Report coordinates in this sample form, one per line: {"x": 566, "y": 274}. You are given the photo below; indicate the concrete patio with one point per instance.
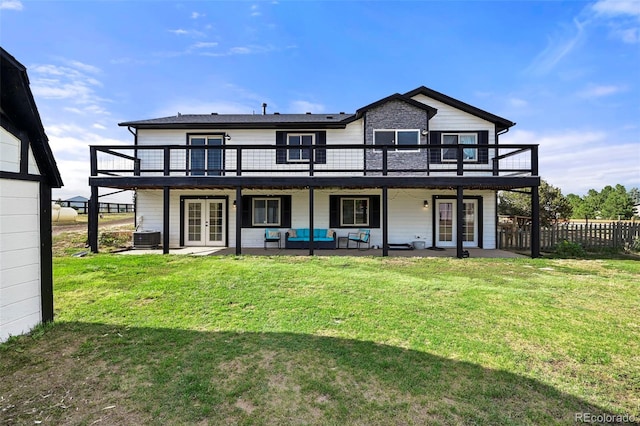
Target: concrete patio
{"x": 230, "y": 251}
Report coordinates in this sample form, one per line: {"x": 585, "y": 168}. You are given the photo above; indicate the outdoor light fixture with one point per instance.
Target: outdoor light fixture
{"x": 227, "y": 137}
{"x": 424, "y": 132}
{"x": 234, "y": 204}
{"x": 426, "y": 204}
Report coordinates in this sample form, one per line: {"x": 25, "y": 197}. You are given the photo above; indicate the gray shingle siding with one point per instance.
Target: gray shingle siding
{"x": 396, "y": 115}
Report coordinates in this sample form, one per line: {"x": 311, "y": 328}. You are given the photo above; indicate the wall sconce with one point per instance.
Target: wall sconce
{"x": 424, "y": 132}
{"x": 227, "y": 137}
{"x": 234, "y": 204}
{"x": 426, "y": 204}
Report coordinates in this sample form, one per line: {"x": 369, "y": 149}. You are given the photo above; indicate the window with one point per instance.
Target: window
{"x": 294, "y": 139}
{"x": 451, "y": 154}
{"x": 266, "y": 212}
{"x": 354, "y": 212}
{"x": 207, "y": 160}
{"x": 409, "y": 139}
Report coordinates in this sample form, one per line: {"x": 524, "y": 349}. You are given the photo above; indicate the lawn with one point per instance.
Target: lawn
{"x": 330, "y": 340}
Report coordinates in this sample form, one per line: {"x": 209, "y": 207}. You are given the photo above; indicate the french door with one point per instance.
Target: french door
{"x": 205, "y": 223}
{"x": 446, "y": 229}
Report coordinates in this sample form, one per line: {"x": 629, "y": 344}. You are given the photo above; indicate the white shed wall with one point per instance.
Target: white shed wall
{"x": 9, "y": 152}
{"x": 20, "y": 302}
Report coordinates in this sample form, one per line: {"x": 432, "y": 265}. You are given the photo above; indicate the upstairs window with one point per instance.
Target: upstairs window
{"x": 468, "y": 154}
{"x": 407, "y": 139}
{"x": 295, "y": 139}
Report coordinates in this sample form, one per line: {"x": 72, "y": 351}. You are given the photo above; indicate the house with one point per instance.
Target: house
{"x": 28, "y": 171}
{"x": 414, "y": 166}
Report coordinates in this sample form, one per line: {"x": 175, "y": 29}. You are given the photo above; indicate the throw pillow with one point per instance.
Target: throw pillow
{"x": 274, "y": 234}
{"x": 293, "y": 233}
{"x": 330, "y": 233}
{"x": 363, "y": 236}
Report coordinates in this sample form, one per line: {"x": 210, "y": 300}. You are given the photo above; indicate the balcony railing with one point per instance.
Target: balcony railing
{"x": 316, "y": 160}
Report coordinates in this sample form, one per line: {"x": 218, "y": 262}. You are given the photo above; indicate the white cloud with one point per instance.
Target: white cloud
{"x": 183, "y": 32}
{"x": 629, "y": 35}
{"x": 255, "y": 10}
{"x": 204, "y": 45}
{"x": 195, "y": 106}
{"x": 518, "y": 103}
{"x": 299, "y": 107}
{"x": 196, "y": 15}
{"x": 618, "y": 8}
{"x": 576, "y": 161}
{"x": 11, "y": 5}
{"x": 179, "y": 32}
{"x": 557, "y": 49}
{"x": 598, "y": 91}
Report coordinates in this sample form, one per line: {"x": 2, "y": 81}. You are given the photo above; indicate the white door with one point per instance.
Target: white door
{"x": 446, "y": 235}
{"x": 205, "y": 223}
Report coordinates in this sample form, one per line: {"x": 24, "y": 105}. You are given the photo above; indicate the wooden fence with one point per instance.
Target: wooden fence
{"x": 612, "y": 235}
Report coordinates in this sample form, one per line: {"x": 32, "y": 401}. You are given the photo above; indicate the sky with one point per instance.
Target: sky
{"x": 567, "y": 72}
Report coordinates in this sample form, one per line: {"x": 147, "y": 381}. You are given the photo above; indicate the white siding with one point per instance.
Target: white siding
{"x": 408, "y": 219}
{"x": 9, "y": 152}
{"x": 257, "y": 159}
{"x": 33, "y": 166}
{"x": 20, "y": 303}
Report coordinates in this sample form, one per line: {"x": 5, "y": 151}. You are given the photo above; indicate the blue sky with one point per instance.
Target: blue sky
{"x": 567, "y": 72}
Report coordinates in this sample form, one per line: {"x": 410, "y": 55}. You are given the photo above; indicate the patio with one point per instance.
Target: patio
{"x": 230, "y": 251}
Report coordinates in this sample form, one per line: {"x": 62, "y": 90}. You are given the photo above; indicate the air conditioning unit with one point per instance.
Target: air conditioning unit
{"x": 146, "y": 239}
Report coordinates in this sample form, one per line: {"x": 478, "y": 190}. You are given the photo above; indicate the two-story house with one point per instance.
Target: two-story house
{"x": 414, "y": 165}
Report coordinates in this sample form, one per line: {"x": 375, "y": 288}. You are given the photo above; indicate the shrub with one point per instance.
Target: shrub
{"x": 569, "y": 249}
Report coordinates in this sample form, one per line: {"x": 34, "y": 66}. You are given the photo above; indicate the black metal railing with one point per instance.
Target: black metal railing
{"x": 316, "y": 160}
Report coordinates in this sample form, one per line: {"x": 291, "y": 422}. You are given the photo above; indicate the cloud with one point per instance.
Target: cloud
{"x": 557, "y": 49}
{"x": 183, "y": 32}
{"x": 196, "y": 15}
{"x": 11, "y": 5}
{"x": 577, "y": 161}
{"x": 298, "y": 107}
{"x": 518, "y": 103}
{"x": 255, "y": 10}
{"x": 598, "y": 91}
{"x": 618, "y": 8}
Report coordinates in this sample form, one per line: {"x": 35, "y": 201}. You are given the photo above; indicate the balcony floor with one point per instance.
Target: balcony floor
{"x": 230, "y": 251}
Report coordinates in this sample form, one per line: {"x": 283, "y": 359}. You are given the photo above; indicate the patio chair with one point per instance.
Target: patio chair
{"x": 271, "y": 236}
{"x": 361, "y": 237}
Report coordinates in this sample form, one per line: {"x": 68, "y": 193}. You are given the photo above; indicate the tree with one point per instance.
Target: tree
{"x": 553, "y": 205}
{"x": 610, "y": 203}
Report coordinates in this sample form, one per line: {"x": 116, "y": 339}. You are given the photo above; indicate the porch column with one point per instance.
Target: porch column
{"x": 238, "y": 220}
{"x": 535, "y": 222}
{"x": 385, "y": 222}
{"x": 459, "y": 221}
{"x": 310, "y": 221}
{"x": 165, "y": 221}
{"x": 92, "y": 227}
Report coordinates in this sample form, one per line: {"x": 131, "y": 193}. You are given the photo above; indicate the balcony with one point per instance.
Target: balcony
{"x": 492, "y": 166}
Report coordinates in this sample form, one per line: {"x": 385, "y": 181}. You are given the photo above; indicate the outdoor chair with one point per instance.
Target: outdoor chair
{"x": 271, "y": 236}
{"x": 360, "y": 238}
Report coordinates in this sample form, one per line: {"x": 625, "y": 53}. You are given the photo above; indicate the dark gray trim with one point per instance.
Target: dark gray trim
{"x": 92, "y": 227}
{"x": 20, "y": 176}
{"x": 459, "y": 221}
{"x": 535, "y": 222}
{"x": 274, "y": 182}
{"x": 385, "y": 221}
{"x": 166, "y": 204}
{"x": 239, "y": 220}
{"x": 46, "y": 255}
{"x": 311, "y": 208}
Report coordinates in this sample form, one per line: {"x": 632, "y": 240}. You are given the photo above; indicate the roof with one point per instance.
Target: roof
{"x": 20, "y": 109}
{"x": 308, "y": 120}
{"x": 245, "y": 121}
{"x": 501, "y": 123}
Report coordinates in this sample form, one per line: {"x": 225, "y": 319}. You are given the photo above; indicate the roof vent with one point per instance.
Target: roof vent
{"x": 308, "y": 113}
{"x": 214, "y": 113}
{"x": 329, "y": 117}
{"x": 342, "y": 112}
{"x": 264, "y": 108}
{"x": 179, "y": 115}
{"x": 276, "y": 113}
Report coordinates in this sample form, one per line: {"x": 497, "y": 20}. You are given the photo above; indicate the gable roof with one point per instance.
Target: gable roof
{"x": 19, "y": 107}
{"x": 308, "y": 120}
{"x": 501, "y": 123}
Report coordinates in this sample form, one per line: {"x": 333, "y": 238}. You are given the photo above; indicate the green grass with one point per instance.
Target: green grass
{"x": 330, "y": 340}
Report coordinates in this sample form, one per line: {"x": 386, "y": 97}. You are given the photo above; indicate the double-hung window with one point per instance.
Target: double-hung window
{"x": 405, "y": 140}
{"x": 468, "y": 154}
{"x": 208, "y": 159}
{"x": 266, "y": 211}
{"x": 354, "y": 212}
{"x": 299, "y": 139}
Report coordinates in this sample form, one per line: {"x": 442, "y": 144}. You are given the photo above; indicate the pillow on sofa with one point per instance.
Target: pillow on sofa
{"x": 293, "y": 233}
{"x": 273, "y": 234}
{"x": 329, "y": 233}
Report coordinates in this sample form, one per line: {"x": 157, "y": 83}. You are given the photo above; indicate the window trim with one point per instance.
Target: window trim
{"x": 310, "y": 150}
{"x": 399, "y": 148}
{"x": 457, "y": 135}
{"x": 266, "y": 223}
{"x": 189, "y": 155}
{"x": 355, "y": 199}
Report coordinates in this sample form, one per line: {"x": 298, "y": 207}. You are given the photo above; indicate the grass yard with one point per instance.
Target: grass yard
{"x": 330, "y": 340}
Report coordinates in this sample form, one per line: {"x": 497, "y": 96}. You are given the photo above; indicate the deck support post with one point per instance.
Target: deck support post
{"x": 385, "y": 222}
{"x": 535, "y": 222}
{"x": 311, "y": 220}
{"x": 238, "y": 220}
{"x": 92, "y": 227}
{"x": 459, "y": 221}
{"x": 165, "y": 220}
